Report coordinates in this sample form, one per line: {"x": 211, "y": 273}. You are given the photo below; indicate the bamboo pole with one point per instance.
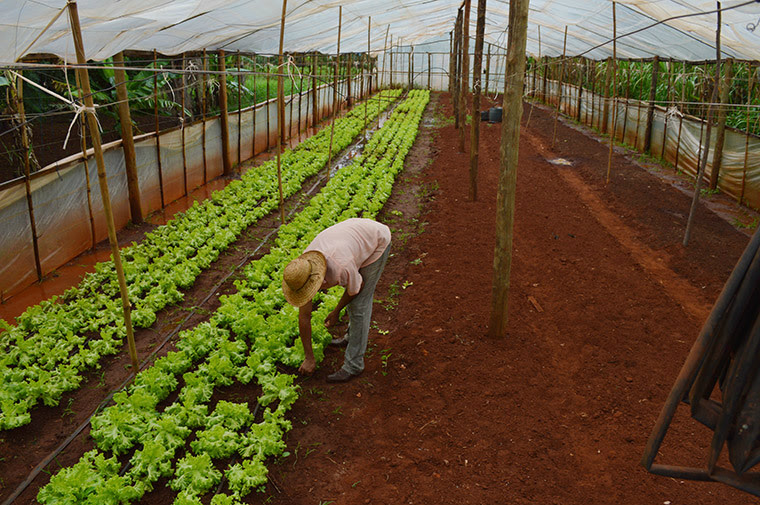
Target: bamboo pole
{"x": 366, "y": 97}
{"x": 465, "y": 89}
{"x": 291, "y": 101}
{"x": 638, "y": 112}
{"x": 430, "y": 69}
{"x": 457, "y": 67}
{"x": 182, "y": 126}
{"x": 280, "y": 111}
{"x": 703, "y": 162}
{"x": 385, "y": 50}
{"x": 476, "y": 84}
{"x": 225, "y": 117}
{"x": 300, "y": 99}
{"x": 268, "y": 105}
{"x": 627, "y": 97}
{"x": 680, "y": 117}
{"x": 390, "y": 64}
{"x": 751, "y": 74}
{"x": 157, "y": 129}
{"x": 559, "y": 87}
{"x": 239, "y": 108}
{"x": 347, "y": 65}
{"x": 83, "y": 126}
{"x": 335, "y": 95}
{"x": 650, "y": 109}
{"x": 127, "y": 140}
{"x": 203, "y": 114}
{"x": 720, "y": 135}
{"x": 533, "y": 91}
{"x": 314, "y": 86}
{"x": 255, "y": 104}
{"x": 452, "y": 62}
{"x": 488, "y": 68}
{"x": 510, "y": 139}
{"x": 670, "y": 104}
{"x": 411, "y": 67}
{"x": 606, "y": 107}
{"x": 102, "y": 178}
{"x": 614, "y": 90}
{"x": 545, "y": 79}
{"x": 27, "y": 173}
{"x": 581, "y": 74}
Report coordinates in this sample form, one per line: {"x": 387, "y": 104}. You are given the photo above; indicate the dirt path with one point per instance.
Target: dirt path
{"x": 558, "y": 412}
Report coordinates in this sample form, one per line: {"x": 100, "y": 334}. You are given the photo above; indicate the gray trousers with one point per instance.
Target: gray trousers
{"x": 360, "y": 315}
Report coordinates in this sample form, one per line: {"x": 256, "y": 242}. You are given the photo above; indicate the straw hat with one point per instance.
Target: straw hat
{"x": 303, "y": 277}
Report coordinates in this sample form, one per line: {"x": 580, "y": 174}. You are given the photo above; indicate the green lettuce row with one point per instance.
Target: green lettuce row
{"x": 42, "y": 367}
{"x": 243, "y": 476}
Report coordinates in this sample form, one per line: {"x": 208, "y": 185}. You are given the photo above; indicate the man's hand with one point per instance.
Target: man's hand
{"x": 332, "y": 319}
{"x": 307, "y": 367}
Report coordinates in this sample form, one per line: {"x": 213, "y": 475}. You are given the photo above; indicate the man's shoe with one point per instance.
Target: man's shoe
{"x": 340, "y": 376}
{"x": 340, "y": 342}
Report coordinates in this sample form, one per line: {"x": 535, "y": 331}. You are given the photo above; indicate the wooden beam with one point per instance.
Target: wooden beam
{"x": 476, "y": 84}
{"x": 127, "y": 139}
{"x": 27, "y": 173}
{"x": 103, "y": 180}
{"x": 225, "y": 117}
{"x": 465, "y": 87}
{"x": 703, "y": 160}
{"x": 510, "y": 139}
{"x": 720, "y": 134}
{"x": 280, "y": 111}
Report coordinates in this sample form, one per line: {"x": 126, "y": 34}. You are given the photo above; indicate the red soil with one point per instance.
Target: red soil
{"x": 604, "y": 305}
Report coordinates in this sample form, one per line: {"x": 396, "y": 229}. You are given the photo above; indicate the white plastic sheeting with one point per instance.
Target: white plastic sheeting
{"x": 173, "y": 27}
{"x": 59, "y": 195}
{"x": 676, "y": 139}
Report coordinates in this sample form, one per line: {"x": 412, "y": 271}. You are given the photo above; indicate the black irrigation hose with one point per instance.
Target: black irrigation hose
{"x": 36, "y": 471}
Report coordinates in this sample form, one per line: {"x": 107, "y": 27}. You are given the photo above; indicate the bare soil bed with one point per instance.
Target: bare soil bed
{"x": 604, "y": 306}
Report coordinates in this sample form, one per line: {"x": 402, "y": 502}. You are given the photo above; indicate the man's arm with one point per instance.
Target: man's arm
{"x": 333, "y": 318}
{"x": 304, "y": 329}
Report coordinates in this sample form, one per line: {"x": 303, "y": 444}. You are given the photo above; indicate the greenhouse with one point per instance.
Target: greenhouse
{"x": 311, "y": 252}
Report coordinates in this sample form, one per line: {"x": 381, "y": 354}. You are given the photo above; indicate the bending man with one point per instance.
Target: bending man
{"x": 351, "y": 254}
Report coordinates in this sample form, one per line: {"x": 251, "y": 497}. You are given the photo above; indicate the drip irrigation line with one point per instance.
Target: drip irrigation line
{"x": 36, "y": 471}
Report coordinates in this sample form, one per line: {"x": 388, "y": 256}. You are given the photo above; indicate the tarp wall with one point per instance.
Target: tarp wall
{"x": 60, "y": 197}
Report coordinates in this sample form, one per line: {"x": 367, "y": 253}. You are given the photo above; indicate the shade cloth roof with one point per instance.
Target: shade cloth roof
{"x": 176, "y": 26}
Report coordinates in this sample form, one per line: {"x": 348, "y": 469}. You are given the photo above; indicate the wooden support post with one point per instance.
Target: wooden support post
{"x": 182, "y": 124}
{"x": 581, "y": 74}
{"x": 670, "y": 104}
{"x": 607, "y": 95}
{"x": 347, "y": 77}
{"x": 613, "y": 63}
{"x": 750, "y": 85}
{"x": 335, "y": 95}
{"x": 411, "y": 67}
{"x": 127, "y": 140}
{"x": 390, "y": 65}
{"x": 680, "y": 116}
{"x": 268, "y": 104}
{"x": 488, "y": 69}
{"x": 476, "y": 84}
{"x": 465, "y": 88}
{"x": 452, "y": 62}
{"x": 366, "y": 60}
{"x": 385, "y": 50}
{"x": 314, "y": 86}
{"x": 300, "y": 99}
{"x": 255, "y": 105}
{"x": 535, "y": 69}
{"x": 430, "y": 69}
{"x": 27, "y": 173}
{"x": 83, "y": 126}
{"x": 559, "y": 88}
{"x": 650, "y": 109}
{"x": 223, "y": 104}
{"x": 239, "y": 108}
{"x": 157, "y": 128}
{"x": 510, "y": 139}
{"x": 703, "y": 160}
{"x": 457, "y": 67}
{"x": 720, "y": 134}
{"x": 203, "y": 115}
{"x": 280, "y": 111}
{"x": 292, "y": 103}
{"x": 627, "y": 97}
{"x": 102, "y": 178}
{"x": 546, "y": 79}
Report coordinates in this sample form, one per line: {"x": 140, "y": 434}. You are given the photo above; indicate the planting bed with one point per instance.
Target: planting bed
{"x": 605, "y": 303}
